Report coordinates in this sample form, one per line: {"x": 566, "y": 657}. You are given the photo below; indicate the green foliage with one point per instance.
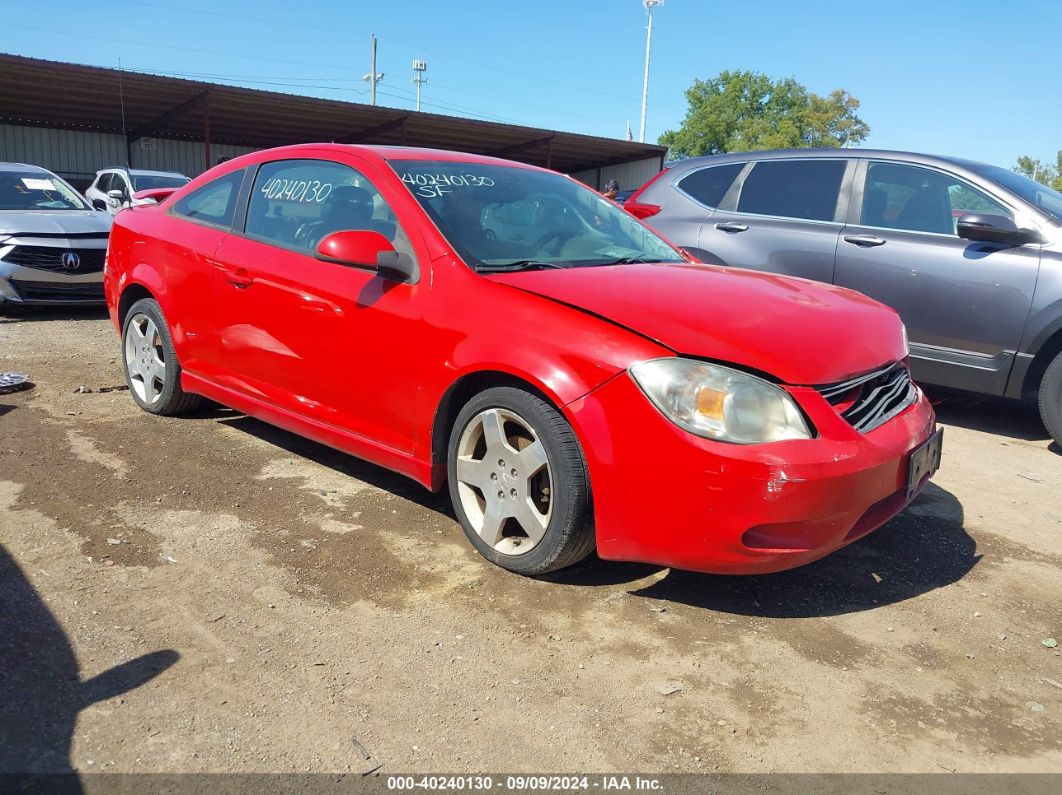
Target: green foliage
{"x": 1045, "y": 173}
{"x": 744, "y": 111}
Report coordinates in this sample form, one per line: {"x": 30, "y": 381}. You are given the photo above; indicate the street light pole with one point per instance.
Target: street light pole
{"x": 419, "y": 68}
{"x": 373, "y": 77}
{"x": 649, "y": 6}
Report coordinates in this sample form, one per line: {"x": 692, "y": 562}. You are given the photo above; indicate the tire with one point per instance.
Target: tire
{"x": 1051, "y": 399}
{"x": 514, "y": 463}
{"x": 149, "y": 361}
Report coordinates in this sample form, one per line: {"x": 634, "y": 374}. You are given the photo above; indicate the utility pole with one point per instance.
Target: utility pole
{"x": 649, "y": 6}
{"x": 373, "y": 77}
{"x": 419, "y": 68}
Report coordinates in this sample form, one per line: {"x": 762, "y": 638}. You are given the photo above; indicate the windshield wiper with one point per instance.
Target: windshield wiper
{"x": 516, "y": 265}
{"x": 625, "y": 261}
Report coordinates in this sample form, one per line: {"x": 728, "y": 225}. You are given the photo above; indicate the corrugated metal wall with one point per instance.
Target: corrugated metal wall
{"x": 78, "y": 155}
{"x": 629, "y": 175}
{"x": 72, "y": 154}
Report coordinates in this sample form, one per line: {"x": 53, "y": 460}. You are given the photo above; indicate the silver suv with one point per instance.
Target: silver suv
{"x": 969, "y": 254}
{"x": 114, "y": 189}
{"x": 52, "y": 244}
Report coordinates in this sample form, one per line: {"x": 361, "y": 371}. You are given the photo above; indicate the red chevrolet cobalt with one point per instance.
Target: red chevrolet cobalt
{"x": 576, "y": 381}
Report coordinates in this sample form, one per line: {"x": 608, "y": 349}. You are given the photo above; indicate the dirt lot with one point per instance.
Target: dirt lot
{"x": 211, "y": 594}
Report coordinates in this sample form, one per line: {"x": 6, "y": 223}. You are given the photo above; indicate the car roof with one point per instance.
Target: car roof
{"x": 143, "y": 172}
{"x": 844, "y": 153}
{"x": 380, "y": 153}
{"x": 24, "y": 167}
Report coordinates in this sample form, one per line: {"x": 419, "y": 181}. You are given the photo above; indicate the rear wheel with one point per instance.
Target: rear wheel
{"x": 150, "y": 362}
{"x": 1051, "y": 399}
{"x": 519, "y": 483}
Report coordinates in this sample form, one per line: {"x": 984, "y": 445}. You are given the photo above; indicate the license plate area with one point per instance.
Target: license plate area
{"x": 924, "y": 461}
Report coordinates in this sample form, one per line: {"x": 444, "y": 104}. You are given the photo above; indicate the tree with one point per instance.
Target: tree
{"x": 1042, "y": 172}
{"x": 742, "y": 111}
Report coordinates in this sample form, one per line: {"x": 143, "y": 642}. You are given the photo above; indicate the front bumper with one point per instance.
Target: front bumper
{"x": 662, "y": 495}
{"x": 25, "y": 286}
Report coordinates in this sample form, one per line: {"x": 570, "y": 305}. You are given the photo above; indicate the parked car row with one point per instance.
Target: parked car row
{"x": 970, "y": 255}
{"x": 508, "y": 333}
{"x": 53, "y": 242}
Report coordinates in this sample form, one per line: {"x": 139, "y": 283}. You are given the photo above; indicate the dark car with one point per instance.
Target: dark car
{"x": 969, "y": 254}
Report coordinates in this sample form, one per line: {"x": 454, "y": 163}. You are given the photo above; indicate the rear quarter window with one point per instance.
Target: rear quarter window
{"x": 214, "y": 203}
{"x": 709, "y": 185}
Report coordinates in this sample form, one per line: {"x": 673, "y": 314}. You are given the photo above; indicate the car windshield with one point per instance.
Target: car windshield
{"x": 505, "y": 217}
{"x": 37, "y": 190}
{"x": 152, "y": 181}
{"x": 1036, "y": 193}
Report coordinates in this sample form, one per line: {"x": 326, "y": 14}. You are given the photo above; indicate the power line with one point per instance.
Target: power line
{"x": 333, "y": 29}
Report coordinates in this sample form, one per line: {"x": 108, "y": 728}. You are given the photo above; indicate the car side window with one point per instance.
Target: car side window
{"x": 917, "y": 199}
{"x": 104, "y": 182}
{"x": 709, "y": 185}
{"x": 214, "y": 203}
{"x": 296, "y": 203}
{"x": 804, "y": 189}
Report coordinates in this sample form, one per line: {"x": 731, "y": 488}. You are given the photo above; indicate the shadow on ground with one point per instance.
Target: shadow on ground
{"x": 1017, "y": 419}
{"x": 19, "y": 314}
{"x": 41, "y": 689}
{"x": 922, "y": 549}
{"x": 342, "y": 462}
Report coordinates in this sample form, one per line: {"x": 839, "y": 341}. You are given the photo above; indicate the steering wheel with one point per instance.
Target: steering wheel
{"x": 562, "y": 236}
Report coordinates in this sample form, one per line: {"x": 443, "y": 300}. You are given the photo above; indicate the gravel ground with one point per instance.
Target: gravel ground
{"x": 212, "y": 594}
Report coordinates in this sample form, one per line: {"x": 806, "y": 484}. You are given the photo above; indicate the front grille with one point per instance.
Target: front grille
{"x": 870, "y": 400}
{"x": 58, "y": 291}
{"x": 50, "y": 258}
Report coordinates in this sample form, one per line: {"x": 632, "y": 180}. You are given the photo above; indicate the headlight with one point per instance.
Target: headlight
{"x": 720, "y": 403}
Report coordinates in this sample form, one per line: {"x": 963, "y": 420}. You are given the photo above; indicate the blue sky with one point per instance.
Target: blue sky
{"x": 946, "y": 78}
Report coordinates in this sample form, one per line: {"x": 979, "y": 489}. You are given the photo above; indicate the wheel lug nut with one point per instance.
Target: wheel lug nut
{"x": 501, "y": 495}
{"x": 512, "y": 492}
{"x": 501, "y": 463}
{"x": 513, "y": 473}
{"x": 493, "y": 475}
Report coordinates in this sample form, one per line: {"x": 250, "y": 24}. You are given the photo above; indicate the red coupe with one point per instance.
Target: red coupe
{"x": 576, "y": 381}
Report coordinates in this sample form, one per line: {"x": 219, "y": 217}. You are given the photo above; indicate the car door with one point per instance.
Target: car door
{"x": 964, "y": 303}
{"x": 329, "y": 342}
{"x": 184, "y": 248}
{"x": 782, "y": 216}
{"x": 98, "y": 192}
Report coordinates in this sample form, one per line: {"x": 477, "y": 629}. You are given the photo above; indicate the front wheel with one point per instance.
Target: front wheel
{"x": 150, "y": 361}
{"x": 519, "y": 483}
{"x": 1051, "y": 399}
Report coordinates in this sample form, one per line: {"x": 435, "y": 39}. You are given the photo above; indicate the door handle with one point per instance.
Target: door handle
{"x": 239, "y": 278}
{"x": 868, "y": 241}
{"x": 732, "y": 226}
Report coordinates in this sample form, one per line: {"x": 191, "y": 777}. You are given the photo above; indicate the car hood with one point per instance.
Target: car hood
{"x": 57, "y": 222}
{"x": 798, "y": 331}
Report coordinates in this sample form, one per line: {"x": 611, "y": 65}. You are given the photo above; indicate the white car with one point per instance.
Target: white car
{"x": 114, "y": 189}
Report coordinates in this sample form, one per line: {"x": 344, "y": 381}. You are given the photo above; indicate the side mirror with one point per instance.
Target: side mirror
{"x": 360, "y": 248}
{"x": 99, "y": 204}
{"x": 994, "y": 229}
{"x": 116, "y": 194}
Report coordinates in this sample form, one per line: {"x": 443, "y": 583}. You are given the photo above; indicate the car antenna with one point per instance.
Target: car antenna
{"x": 121, "y": 103}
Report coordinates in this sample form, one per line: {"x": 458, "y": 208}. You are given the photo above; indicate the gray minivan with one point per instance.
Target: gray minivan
{"x": 969, "y": 254}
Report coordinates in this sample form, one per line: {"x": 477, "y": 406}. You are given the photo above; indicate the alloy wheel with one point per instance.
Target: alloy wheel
{"x": 144, "y": 360}
{"x": 504, "y": 481}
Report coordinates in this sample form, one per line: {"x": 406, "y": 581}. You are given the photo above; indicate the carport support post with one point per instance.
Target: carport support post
{"x": 206, "y": 130}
